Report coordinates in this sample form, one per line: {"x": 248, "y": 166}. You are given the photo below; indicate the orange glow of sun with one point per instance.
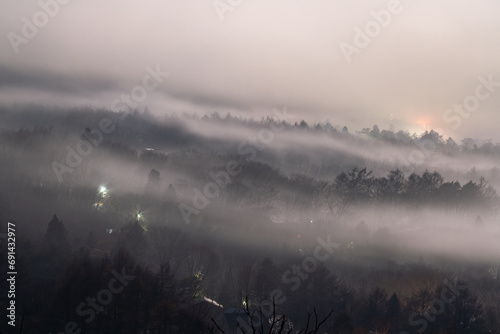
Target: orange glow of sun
{"x": 423, "y": 122}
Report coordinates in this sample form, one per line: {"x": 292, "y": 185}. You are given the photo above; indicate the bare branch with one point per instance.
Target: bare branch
{"x": 216, "y": 325}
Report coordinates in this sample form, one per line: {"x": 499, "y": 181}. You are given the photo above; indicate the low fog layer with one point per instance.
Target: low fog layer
{"x": 227, "y": 207}
{"x": 232, "y": 166}
{"x": 427, "y": 59}
{"x": 286, "y": 170}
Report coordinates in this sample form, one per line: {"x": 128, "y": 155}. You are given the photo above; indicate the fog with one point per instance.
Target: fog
{"x": 273, "y": 154}
{"x": 261, "y": 55}
{"x": 250, "y": 167}
{"x": 385, "y": 199}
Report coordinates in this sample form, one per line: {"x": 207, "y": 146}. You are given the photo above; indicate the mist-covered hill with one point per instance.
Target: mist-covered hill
{"x": 221, "y": 207}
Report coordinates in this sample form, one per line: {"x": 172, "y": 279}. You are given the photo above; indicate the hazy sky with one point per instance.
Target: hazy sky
{"x": 424, "y": 58}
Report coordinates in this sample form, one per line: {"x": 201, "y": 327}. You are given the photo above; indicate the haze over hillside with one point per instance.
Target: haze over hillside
{"x": 221, "y": 181}
{"x": 235, "y": 166}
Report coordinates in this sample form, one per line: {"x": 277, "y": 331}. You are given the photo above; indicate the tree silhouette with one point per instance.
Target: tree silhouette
{"x": 170, "y": 194}
{"x": 393, "y": 312}
{"x": 464, "y": 314}
{"x": 56, "y": 237}
{"x": 375, "y": 132}
{"x": 448, "y": 193}
{"x": 353, "y": 187}
{"x": 413, "y": 189}
{"x": 430, "y": 183}
{"x": 375, "y": 310}
{"x": 153, "y": 184}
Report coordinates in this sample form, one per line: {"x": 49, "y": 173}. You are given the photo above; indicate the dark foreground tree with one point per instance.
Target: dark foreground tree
{"x": 56, "y": 237}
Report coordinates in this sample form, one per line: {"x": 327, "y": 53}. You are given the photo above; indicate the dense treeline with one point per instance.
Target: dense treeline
{"x": 160, "y": 278}
{"x": 168, "y": 128}
{"x": 359, "y": 186}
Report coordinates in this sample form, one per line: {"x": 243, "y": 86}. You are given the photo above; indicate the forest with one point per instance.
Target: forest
{"x": 135, "y": 223}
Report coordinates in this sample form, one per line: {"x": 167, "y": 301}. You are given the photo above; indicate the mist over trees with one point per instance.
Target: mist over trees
{"x": 415, "y": 243}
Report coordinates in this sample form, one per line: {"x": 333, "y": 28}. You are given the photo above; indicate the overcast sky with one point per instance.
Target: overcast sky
{"x": 265, "y": 55}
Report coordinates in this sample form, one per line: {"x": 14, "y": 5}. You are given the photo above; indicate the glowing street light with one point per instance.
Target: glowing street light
{"x": 103, "y": 191}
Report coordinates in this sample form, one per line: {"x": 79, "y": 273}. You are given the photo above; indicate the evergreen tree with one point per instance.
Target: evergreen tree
{"x": 393, "y": 312}
{"x": 56, "y": 237}
{"x": 153, "y": 184}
